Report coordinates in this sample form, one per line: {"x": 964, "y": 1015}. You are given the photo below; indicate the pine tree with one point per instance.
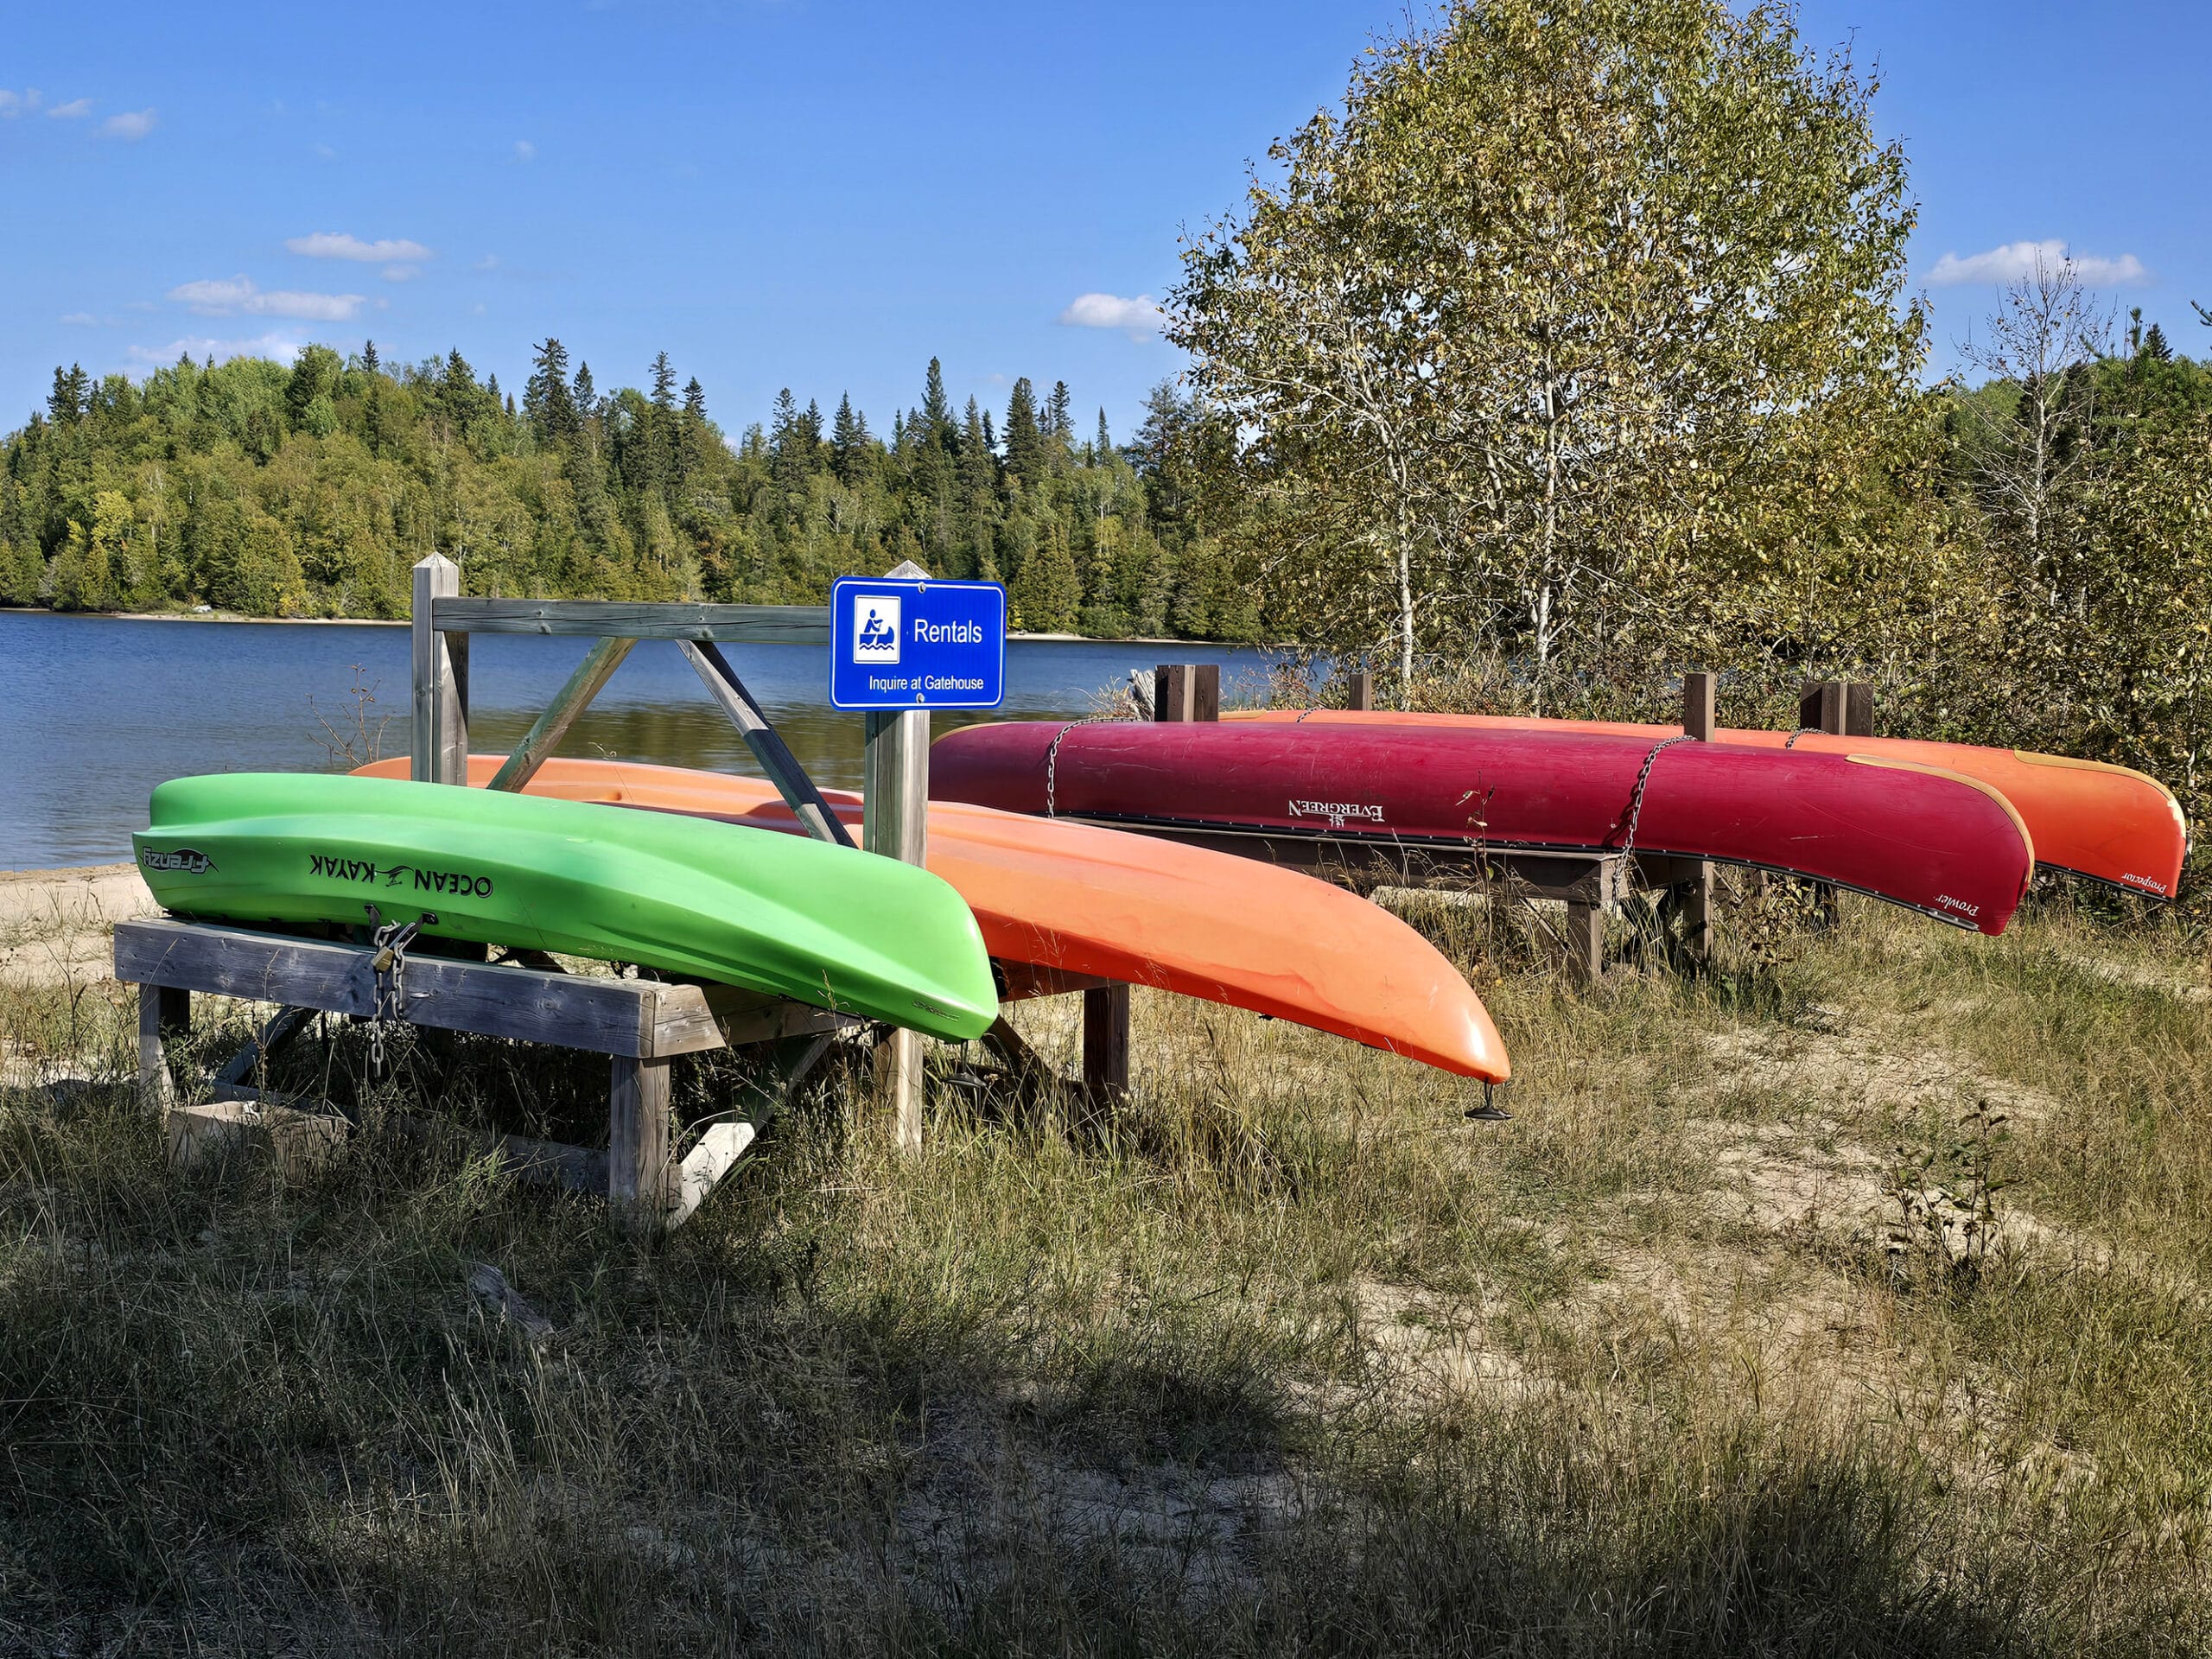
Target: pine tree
{"x": 546, "y": 401}
{"x": 695, "y": 399}
{"x": 2155, "y": 346}
{"x": 663, "y": 384}
{"x": 67, "y": 402}
{"x": 849, "y": 442}
{"x": 369, "y": 356}
{"x": 1024, "y": 440}
{"x": 585, "y": 393}
{"x": 1060, "y": 418}
{"x": 936, "y": 410}
{"x": 1103, "y": 445}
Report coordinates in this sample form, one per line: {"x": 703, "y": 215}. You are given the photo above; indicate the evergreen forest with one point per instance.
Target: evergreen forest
{"x": 309, "y": 490}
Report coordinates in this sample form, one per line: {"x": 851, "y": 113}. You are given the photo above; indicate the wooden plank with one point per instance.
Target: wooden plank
{"x": 717, "y": 1153}
{"x": 164, "y": 1011}
{"x": 1205, "y": 691}
{"x": 638, "y": 1018}
{"x": 738, "y": 625}
{"x": 639, "y": 1173}
{"x": 1106, "y": 1043}
{"x": 1024, "y": 981}
{"x": 767, "y": 745}
{"x": 544, "y": 736}
{"x": 1360, "y": 694}
{"x": 1699, "y": 704}
{"x": 298, "y": 1142}
{"x": 1170, "y": 691}
{"x": 1858, "y": 710}
{"x": 439, "y": 733}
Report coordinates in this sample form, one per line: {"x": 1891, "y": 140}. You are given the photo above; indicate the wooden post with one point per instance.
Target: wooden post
{"x": 1822, "y": 706}
{"x": 163, "y": 1011}
{"x": 440, "y": 729}
{"x": 1696, "y": 893}
{"x": 1586, "y": 941}
{"x": 638, "y": 1174}
{"x": 1205, "y": 690}
{"x": 1362, "y": 692}
{"x": 1106, "y": 1043}
{"x": 894, "y": 824}
{"x": 1170, "y": 691}
{"x": 1858, "y": 710}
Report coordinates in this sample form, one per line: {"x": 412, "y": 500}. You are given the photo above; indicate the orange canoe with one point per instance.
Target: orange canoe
{"x": 2106, "y": 821}
{"x": 1070, "y": 899}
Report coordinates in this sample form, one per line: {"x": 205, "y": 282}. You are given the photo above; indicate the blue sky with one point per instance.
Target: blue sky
{"x": 824, "y": 196}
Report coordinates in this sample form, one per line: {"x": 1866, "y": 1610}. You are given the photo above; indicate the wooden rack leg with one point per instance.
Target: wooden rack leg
{"x": 898, "y": 1080}
{"x": 163, "y": 1011}
{"x": 639, "y": 1179}
{"x": 1106, "y": 1043}
{"x": 1699, "y": 718}
{"x": 1585, "y": 941}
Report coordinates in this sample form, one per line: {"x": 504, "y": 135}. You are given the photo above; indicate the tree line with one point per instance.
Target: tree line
{"x": 310, "y": 489}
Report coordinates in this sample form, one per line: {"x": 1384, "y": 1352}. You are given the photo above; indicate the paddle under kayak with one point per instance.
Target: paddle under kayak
{"x": 2111, "y": 823}
{"x": 1075, "y": 900}
{"x": 1931, "y": 840}
{"x": 822, "y": 924}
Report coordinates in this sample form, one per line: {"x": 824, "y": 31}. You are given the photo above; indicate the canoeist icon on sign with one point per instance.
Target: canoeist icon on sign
{"x": 875, "y": 628}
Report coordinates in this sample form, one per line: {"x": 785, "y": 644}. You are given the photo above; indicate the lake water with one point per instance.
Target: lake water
{"x": 94, "y": 711}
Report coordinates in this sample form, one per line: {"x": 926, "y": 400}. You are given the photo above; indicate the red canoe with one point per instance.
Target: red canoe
{"x": 2111, "y": 823}
{"x": 1919, "y": 836}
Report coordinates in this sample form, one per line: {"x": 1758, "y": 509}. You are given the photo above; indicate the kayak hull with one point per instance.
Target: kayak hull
{"x": 1932, "y": 840}
{"x": 822, "y": 925}
{"x": 2111, "y": 823}
{"x": 1073, "y": 899}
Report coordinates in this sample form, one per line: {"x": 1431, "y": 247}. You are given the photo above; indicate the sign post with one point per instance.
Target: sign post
{"x": 900, "y": 647}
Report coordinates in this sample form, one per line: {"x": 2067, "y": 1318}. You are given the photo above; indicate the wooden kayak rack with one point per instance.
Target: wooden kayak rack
{"x": 640, "y": 1025}
{"x": 1590, "y": 885}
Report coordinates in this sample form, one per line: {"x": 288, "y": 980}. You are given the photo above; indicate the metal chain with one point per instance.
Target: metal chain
{"x": 1052, "y": 760}
{"x": 1805, "y": 731}
{"x": 389, "y": 967}
{"x": 1636, "y": 800}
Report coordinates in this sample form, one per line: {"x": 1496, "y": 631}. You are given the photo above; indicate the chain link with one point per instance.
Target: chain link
{"x": 1636, "y": 800}
{"x": 389, "y": 1008}
{"x": 1805, "y": 731}
{"x": 1052, "y": 760}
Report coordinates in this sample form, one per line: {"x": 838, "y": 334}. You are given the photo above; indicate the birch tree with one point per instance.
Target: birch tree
{"x": 1554, "y": 313}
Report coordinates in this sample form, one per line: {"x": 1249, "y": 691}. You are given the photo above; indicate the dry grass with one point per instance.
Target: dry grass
{"x": 1688, "y": 1356}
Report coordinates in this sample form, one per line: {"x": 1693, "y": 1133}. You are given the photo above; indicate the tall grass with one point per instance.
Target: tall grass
{"x": 1292, "y": 1358}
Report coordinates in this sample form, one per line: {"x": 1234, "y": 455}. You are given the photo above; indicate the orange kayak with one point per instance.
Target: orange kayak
{"x": 1068, "y": 899}
{"x": 2108, "y": 822}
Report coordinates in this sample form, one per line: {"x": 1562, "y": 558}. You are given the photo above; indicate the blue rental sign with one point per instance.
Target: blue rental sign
{"x": 917, "y": 644}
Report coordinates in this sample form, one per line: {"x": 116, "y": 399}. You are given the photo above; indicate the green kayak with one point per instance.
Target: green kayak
{"x": 828, "y": 925}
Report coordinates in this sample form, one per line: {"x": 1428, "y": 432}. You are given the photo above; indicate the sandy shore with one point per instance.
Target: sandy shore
{"x": 55, "y": 925}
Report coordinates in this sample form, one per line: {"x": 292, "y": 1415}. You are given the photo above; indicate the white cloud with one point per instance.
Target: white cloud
{"x": 75, "y": 109}
{"x": 221, "y": 298}
{"x": 2017, "y": 261}
{"x": 337, "y": 244}
{"x": 133, "y": 124}
{"x": 1139, "y": 317}
{"x": 80, "y": 319}
{"x": 525, "y": 150}
{"x": 198, "y": 348}
{"x": 400, "y": 273}
{"x": 14, "y": 104}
